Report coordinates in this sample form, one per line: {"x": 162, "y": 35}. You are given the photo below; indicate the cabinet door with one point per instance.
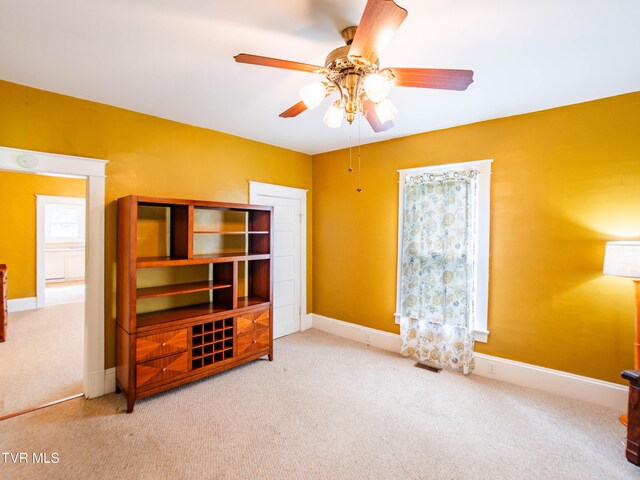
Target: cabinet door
{"x": 54, "y": 265}
{"x": 75, "y": 264}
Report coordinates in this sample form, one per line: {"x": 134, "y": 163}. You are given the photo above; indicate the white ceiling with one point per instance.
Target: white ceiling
{"x": 174, "y": 58}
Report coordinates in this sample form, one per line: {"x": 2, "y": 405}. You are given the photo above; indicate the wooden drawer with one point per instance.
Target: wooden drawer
{"x": 161, "y": 344}
{"x": 252, "y": 321}
{"x": 161, "y": 369}
{"x": 258, "y": 340}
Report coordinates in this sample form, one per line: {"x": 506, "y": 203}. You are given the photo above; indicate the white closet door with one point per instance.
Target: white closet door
{"x": 286, "y": 256}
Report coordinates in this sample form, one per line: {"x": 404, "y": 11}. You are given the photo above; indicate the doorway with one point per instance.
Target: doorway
{"x": 289, "y": 255}
{"x": 41, "y": 357}
{"x": 61, "y": 247}
{"x": 95, "y": 381}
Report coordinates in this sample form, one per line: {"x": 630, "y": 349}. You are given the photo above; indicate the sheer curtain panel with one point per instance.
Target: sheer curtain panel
{"x": 438, "y": 268}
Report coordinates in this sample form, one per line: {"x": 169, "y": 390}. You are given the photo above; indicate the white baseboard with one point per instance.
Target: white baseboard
{"x": 110, "y": 380}
{"x": 368, "y": 336}
{"x": 21, "y": 304}
{"x": 95, "y": 386}
{"x": 561, "y": 383}
{"x": 306, "y": 322}
{"x": 523, "y": 374}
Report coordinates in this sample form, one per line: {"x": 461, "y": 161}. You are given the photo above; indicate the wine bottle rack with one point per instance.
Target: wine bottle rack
{"x": 211, "y": 343}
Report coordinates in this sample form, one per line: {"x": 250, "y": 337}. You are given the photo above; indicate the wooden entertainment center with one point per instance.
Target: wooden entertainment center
{"x": 194, "y": 291}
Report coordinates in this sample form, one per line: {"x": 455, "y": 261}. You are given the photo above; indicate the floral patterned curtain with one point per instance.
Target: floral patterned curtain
{"x": 438, "y": 269}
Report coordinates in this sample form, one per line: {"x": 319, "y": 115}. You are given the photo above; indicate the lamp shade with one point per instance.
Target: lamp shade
{"x": 333, "y": 117}
{"x": 386, "y": 111}
{"x": 376, "y": 87}
{"x": 313, "y": 94}
{"x": 622, "y": 259}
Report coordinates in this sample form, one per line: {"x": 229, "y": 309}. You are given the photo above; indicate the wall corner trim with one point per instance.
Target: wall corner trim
{"x": 561, "y": 383}
{"x": 110, "y": 380}
{"x": 307, "y": 322}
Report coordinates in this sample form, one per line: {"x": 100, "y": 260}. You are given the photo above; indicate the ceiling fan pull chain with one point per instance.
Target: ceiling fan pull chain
{"x": 359, "y": 189}
{"x": 350, "y": 145}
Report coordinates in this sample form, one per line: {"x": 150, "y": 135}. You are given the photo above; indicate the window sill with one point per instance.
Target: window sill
{"x": 481, "y": 336}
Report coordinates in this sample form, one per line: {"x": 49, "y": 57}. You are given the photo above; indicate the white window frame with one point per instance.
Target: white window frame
{"x": 77, "y": 202}
{"x": 481, "y": 331}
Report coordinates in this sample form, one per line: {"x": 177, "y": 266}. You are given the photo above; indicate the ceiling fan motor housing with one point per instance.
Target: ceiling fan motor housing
{"x": 338, "y": 62}
{"x": 346, "y": 74}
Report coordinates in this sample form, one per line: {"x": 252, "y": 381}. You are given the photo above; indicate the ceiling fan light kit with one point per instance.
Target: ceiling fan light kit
{"x": 313, "y": 94}
{"x": 386, "y": 110}
{"x": 353, "y": 71}
{"x": 333, "y": 117}
{"x": 378, "y": 85}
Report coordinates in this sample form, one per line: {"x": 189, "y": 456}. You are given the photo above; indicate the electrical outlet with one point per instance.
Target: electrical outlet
{"x": 492, "y": 368}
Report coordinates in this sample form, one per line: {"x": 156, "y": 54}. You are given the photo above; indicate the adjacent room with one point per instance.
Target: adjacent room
{"x": 43, "y": 242}
{"x": 311, "y": 239}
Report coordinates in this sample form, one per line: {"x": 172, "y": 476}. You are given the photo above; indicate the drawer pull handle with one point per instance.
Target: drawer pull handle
{"x": 164, "y": 344}
{"x": 254, "y": 321}
{"x": 164, "y": 369}
{"x": 255, "y": 341}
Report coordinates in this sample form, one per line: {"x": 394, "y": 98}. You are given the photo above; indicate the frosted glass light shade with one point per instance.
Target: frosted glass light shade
{"x": 376, "y": 87}
{"x": 313, "y": 94}
{"x": 333, "y": 117}
{"x": 622, "y": 259}
{"x": 386, "y": 111}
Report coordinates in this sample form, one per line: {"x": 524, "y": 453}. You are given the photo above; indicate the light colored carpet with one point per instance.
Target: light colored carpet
{"x": 326, "y": 408}
{"x": 57, "y": 294}
{"x": 42, "y": 359}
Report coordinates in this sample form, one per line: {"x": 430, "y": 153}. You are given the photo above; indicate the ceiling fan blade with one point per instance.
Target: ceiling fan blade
{"x": 380, "y": 21}
{"x": 275, "y": 62}
{"x": 372, "y": 117}
{"x": 433, "y": 78}
{"x": 297, "y": 109}
{"x": 294, "y": 111}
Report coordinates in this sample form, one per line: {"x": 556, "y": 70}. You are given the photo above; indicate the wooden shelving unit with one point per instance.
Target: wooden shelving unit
{"x": 204, "y": 303}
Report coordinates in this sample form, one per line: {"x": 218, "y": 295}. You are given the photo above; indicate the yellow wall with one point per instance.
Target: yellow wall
{"x": 564, "y": 181}
{"x": 18, "y": 219}
{"x": 147, "y": 156}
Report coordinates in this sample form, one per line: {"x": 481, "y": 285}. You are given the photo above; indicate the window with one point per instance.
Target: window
{"x": 64, "y": 223}
{"x": 483, "y": 167}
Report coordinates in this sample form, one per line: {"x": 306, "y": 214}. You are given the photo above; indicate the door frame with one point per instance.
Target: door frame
{"x": 41, "y": 202}
{"x": 259, "y": 189}
{"x": 93, "y": 170}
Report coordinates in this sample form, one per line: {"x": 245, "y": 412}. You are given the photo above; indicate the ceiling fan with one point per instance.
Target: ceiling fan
{"x": 354, "y": 72}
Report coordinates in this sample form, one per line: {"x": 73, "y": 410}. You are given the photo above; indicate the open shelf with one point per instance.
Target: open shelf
{"x": 178, "y": 289}
{"x": 150, "y": 319}
{"x": 219, "y": 232}
{"x": 150, "y": 262}
{"x": 161, "y": 230}
{"x": 253, "y": 282}
{"x": 250, "y": 301}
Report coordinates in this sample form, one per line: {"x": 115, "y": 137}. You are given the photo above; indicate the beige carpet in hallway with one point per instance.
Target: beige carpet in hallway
{"x": 326, "y": 408}
{"x": 42, "y": 359}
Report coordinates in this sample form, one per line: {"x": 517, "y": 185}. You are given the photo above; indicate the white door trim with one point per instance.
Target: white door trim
{"x": 41, "y": 201}
{"x": 257, "y": 189}
{"x": 93, "y": 170}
